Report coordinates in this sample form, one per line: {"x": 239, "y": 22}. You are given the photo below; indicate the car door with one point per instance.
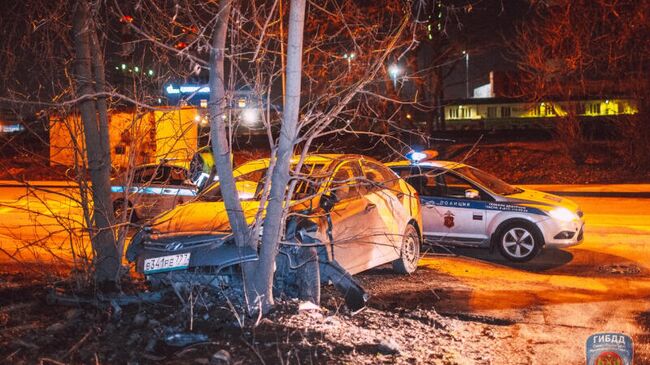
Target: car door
{"x": 173, "y": 187}
{"x": 447, "y": 214}
{"x": 149, "y": 184}
{"x": 455, "y": 215}
{"x": 389, "y": 216}
{"x": 354, "y": 247}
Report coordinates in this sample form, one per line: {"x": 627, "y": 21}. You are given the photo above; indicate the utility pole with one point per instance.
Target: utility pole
{"x": 466, "y": 74}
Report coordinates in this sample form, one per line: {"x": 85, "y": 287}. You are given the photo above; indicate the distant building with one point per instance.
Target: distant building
{"x": 146, "y": 137}
{"x": 505, "y": 113}
{"x": 493, "y": 107}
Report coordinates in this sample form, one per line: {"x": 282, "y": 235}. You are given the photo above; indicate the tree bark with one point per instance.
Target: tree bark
{"x": 95, "y": 127}
{"x": 280, "y": 178}
{"x": 218, "y": 133}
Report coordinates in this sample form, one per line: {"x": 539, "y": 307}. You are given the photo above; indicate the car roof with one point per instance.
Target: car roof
{"x": 451, "y": 165}
{"x": 321, "y": 158}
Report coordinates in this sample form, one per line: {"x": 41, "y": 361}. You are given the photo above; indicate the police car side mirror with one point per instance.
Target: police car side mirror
{"x": 327, "y": 201}
{"x": 472, "y": 194}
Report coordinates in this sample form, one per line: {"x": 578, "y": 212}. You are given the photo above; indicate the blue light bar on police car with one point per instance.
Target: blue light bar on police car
{"x": 416, "y": 157}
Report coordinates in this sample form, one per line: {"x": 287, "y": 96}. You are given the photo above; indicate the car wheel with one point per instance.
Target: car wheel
{"x": 519, "y": 241}
{"x": 118, "y": 210}
{"x": 409, "y": 252}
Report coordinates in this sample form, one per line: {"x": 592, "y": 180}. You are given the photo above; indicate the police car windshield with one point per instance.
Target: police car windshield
{"x": 491, "y": 182}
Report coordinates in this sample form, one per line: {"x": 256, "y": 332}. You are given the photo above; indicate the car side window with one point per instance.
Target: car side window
{"x": 177, "y": 176}
{"x": 378, "y": 176}
{"x": 161, "y": 175}
{"x": 455, "y": 186}
{"x": 248, "y": 187}
{"x": 346, "y": 180}
{"x": 144, "y": 175}
{"x": 425, "y": 181}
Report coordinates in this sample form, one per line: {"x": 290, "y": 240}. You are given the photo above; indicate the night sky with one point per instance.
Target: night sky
{"x": 486, "y": 30}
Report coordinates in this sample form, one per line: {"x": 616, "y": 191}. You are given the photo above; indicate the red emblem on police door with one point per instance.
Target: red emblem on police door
{"x": 449, "y": 219}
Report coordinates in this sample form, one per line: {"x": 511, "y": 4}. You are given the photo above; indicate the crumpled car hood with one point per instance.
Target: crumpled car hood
{"x": 200, "y": 218}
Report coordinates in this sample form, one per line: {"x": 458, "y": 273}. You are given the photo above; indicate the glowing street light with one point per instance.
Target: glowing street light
{"x": 249, "y": 116}
{"x": 394, "y": 71}
{"x": 349, "y": 57}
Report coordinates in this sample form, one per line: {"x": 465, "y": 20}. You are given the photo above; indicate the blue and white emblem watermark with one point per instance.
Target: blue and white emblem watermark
{"x": 609, "y": 349}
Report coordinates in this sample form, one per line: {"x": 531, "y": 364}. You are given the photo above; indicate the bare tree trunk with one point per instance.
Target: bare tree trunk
{"x": 107, "y": 258}
{"x": 263, "y": 281}
{"x": 218, "y": 133}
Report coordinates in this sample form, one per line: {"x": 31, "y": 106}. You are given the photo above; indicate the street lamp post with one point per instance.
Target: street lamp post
{"x": 466, "y": 74}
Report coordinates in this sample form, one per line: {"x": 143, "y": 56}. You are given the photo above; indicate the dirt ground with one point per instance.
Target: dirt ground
{"x": 417, "y": 319}
{"x": 33, "y": 331}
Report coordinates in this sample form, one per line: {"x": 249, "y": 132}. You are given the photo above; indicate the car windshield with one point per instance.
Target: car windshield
{"x": 249, "y": 186}
{"x": 491, "y": 182}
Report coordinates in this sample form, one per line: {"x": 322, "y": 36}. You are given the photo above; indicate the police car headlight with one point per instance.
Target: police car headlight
{"x": 563, "y": 214}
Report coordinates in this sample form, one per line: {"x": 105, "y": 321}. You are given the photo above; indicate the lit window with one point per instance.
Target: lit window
{"x": 594, "y": 108}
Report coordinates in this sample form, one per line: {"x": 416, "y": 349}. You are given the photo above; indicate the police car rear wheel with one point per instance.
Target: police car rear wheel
{"x": 410, "y": 252}
{"x": 519, "y": 242}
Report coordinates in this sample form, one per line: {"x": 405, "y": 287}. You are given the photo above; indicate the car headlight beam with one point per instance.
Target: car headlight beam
{"x": 563, "y": 214}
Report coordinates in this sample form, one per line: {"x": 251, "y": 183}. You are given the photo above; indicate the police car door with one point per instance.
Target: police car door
{"x": 459, "y": 211}
{"x": 141, "y": 193}
{"x": 175, "y": 188}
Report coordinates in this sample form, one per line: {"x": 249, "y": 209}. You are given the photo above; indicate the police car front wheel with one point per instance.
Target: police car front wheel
{"x": 519, "y": 241}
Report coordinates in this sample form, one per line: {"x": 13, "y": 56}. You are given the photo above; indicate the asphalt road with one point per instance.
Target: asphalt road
{"x": 548, "y": 306}
{"x": 553, "y": 303}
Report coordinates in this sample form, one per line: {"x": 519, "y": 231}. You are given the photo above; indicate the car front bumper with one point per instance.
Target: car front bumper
{"x": 562, "y": 234}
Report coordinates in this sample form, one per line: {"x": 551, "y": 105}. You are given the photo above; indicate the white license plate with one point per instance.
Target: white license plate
{"x": 167, "y": 263}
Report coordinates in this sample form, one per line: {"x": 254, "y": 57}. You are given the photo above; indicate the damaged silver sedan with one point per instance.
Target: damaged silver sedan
{"x": 349, "y": 213}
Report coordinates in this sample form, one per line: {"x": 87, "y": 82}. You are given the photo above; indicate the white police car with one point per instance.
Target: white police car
{"x": 150, "y": 190}
{"x": 462, "y": 205}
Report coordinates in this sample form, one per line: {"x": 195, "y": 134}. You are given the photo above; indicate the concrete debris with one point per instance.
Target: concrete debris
{"x": 139, "y": 320}
{"x": 221, "y": 357}
{"x": 388, "y": 347}
{"x": 55, "y": 327}
{"x": 182, "y": 339}
{"x": 308, "y": 306}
